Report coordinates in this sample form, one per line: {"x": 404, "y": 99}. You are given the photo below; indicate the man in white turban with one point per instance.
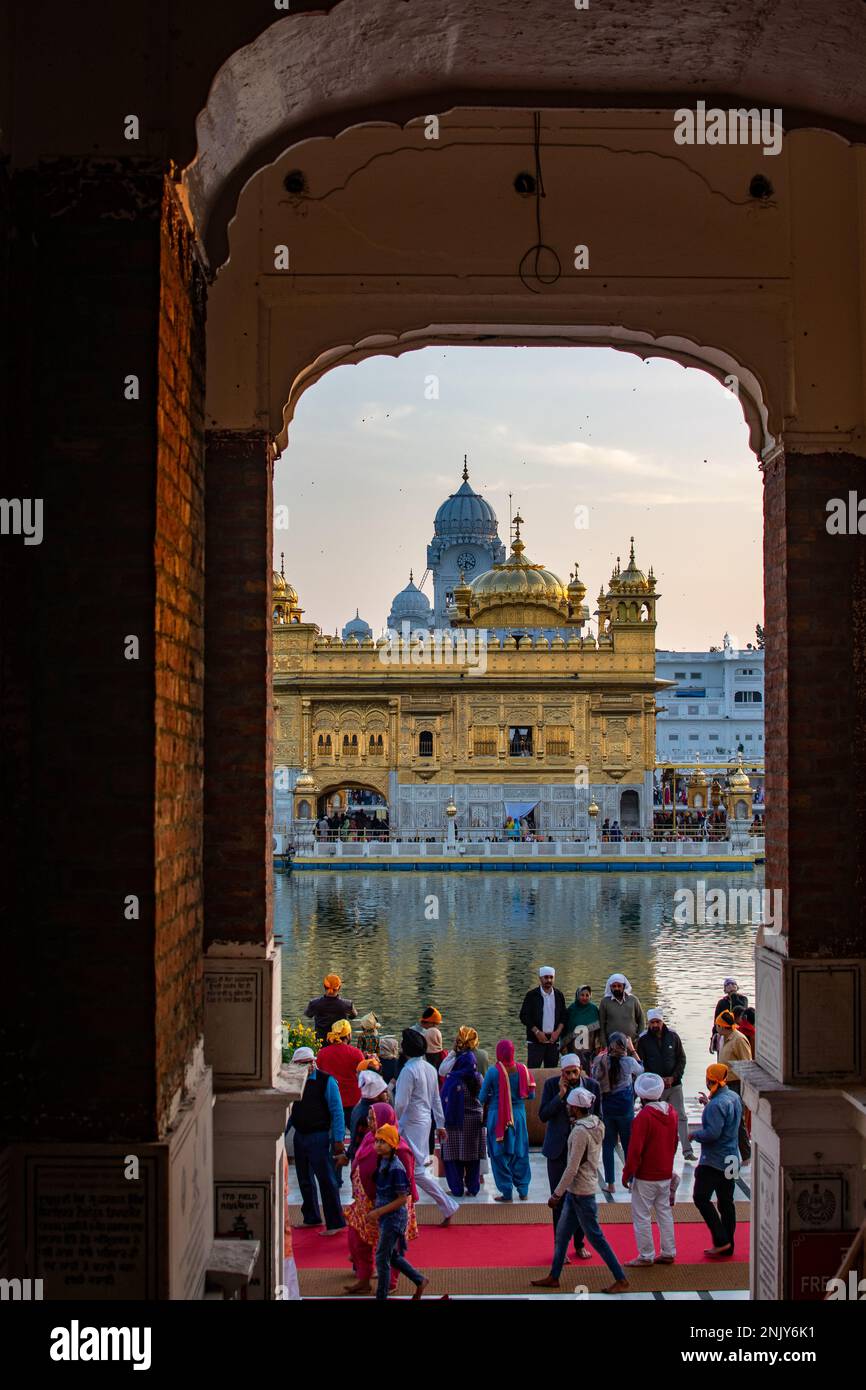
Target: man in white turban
{"x": 619, "y": 1011}
{"x": 578, "y": 1186}
{"x": 542, "y": 1014}
{"x": 553, "y": 1111}
{"x": 648, "y": 1171}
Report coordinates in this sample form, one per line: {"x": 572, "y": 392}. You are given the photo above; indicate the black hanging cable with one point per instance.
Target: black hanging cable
{"x": 534, "y": 253}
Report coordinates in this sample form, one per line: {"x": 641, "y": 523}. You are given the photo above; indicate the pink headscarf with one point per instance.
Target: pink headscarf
{"x": 504, "y": 1108}
{"x": 366, "y": 1158}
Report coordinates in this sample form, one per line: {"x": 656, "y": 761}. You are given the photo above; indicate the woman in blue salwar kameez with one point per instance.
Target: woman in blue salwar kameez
{"x": 503, "y": 1091}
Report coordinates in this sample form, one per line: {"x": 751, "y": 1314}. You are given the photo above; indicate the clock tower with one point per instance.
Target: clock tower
{"x": 465, "y": 541}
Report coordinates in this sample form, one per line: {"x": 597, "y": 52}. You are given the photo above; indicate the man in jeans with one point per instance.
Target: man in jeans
{"x": 553, "y": 1111}
{"x": 578, "y": 1185}
{"x": 719, "y": 1162}
{"x": 319, "y": 1125}
{"x": 390, "y": 1213}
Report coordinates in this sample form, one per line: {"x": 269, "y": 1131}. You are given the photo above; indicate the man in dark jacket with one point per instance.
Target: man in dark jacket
{"x": 542, "y": 1013}
{"x": 661, "y": 1051}
{"x": 553, "y": 1112}
{"x": 330, "y": 1007}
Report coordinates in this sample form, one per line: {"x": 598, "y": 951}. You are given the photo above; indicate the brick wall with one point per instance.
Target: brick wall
{"x": 79, "y": 1024}
{"x": 238, "y": 688}
{"x": 815, "y": 621}
{"x": 179, "y": 651}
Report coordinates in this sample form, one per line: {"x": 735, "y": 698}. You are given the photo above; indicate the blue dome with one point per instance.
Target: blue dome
{"x": 356, "y": 627}
{"x": 410, "y": 605}
{"x": 466, "y": 516}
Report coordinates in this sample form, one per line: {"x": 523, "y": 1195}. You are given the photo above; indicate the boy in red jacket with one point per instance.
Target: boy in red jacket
{"x": 648, "y": 1171}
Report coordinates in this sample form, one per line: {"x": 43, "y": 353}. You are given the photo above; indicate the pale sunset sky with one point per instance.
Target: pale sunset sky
{"x": 649, "y": 448}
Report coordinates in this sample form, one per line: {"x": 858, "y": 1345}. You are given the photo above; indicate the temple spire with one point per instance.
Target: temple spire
{"x": 283, "y": 564}
{"x": 465, "y": 470}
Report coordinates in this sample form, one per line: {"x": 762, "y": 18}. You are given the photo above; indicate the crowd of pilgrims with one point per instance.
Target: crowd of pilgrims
{"x": 374, "y": 1109}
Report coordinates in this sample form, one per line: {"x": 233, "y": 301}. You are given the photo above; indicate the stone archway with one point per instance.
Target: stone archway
{"x": 101, "y": 265}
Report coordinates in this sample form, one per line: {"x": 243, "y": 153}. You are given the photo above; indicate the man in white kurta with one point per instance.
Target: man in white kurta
{"x": 417, "y": 1105}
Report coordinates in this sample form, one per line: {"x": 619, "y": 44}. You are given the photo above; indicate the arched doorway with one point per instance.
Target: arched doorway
{"x": 762, "y": 276}
{"x": 629, "y": 810}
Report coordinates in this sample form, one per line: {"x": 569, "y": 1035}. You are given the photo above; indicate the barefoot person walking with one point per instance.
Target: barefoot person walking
{"x": 577, "y": 1185}
{"x": 363, "y": 1230}
{"x": 719, "y": 1161}
{"x": 393, "y": 1190}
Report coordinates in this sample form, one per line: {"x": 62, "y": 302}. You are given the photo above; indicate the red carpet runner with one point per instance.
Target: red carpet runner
{"x": 488, "y": 1247}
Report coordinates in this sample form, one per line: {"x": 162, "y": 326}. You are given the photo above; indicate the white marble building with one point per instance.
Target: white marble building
{"x": 715, "y": 706}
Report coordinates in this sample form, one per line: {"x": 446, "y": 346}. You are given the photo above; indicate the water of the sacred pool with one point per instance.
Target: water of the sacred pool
{"x": 471, "y": 944}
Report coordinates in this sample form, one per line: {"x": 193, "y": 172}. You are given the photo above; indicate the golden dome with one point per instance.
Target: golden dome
{"x": 740, "y": 781}
{"x": 283, "y": 590}
{"x": 630, "y": 580}
{"x": 518, "y": 582}
{"x": 305, "y": 783}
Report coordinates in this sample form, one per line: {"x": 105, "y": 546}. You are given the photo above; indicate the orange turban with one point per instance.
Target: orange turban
{"x": 332, "y": 984}
{"x": 717, "y": 1075}
{"x": 369, "y": 1064}
{"x": 431, "y": 1017}
{"x": 726, "y": 1019}
{"x": 390, "y": 1134}
{"x": 467, "y": 1037}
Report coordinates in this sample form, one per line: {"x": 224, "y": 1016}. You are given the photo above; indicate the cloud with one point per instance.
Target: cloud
{"x": 687, "y": 497}
{"x": 574, "y": 454}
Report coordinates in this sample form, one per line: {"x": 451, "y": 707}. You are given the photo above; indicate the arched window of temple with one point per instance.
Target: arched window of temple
{"x": 425, "y": 744}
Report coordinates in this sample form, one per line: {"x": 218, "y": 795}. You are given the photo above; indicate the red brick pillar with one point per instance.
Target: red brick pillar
{"x": 815, "y": 621}
{"x": 239, "y": 688}
{"x": 241, "y": 965}
{"x": 806, "y": 1126}
{"x": 102, "y": 801}
{"x": 102, "y": 654}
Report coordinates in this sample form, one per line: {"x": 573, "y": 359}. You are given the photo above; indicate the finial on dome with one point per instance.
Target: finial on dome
{"x": 465, "y": 470}
{"x": 283, "y": 564}
{"x": 411, "y": 580}
{"x": 631, "y": 552}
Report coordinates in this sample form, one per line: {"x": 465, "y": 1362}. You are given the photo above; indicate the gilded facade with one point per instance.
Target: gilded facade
{"x": 516, "y": 707}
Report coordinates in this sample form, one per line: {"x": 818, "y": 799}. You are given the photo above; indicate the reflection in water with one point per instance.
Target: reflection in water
{"x": 378, "y": 931}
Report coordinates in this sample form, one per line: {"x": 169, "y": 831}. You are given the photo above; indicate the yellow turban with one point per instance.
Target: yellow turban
{"x": 369, "y": 1064}
{"x": 341, "y": 1029}
{"x": 467, "y": 1037}
{"x": 390, "y": 1134}
{"x": 332, "y": 984}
